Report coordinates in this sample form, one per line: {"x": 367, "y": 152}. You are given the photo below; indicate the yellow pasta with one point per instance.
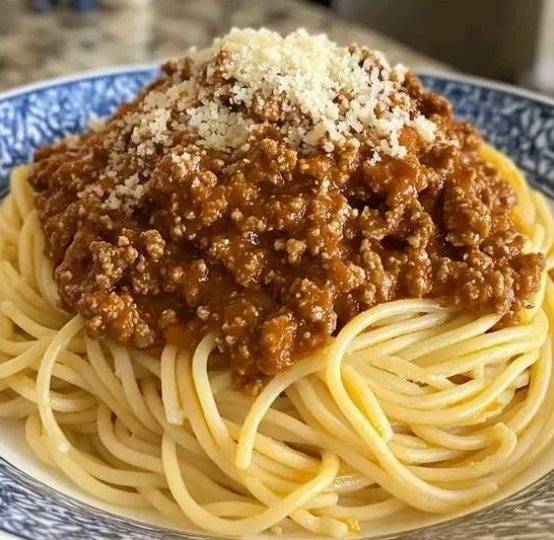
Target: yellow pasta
{"x": 411, "y": 404}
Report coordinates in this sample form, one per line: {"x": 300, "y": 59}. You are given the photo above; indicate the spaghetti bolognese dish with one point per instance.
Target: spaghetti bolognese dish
{"x": 284, "y": 287}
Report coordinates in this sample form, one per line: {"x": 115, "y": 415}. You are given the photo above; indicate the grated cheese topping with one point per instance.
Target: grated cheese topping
{"x": 314, "y": 91}
{"x": 302, "y": 89}
{"x": 126, "y": 195}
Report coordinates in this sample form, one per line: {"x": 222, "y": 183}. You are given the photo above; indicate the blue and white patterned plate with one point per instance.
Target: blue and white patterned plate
{"x": 518, "y": 122}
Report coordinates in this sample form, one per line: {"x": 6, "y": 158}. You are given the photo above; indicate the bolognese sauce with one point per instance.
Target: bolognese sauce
{"x": 271, "y": 206}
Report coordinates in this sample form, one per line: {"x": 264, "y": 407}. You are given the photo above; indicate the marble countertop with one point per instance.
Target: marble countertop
{"x": 38, "y": 46}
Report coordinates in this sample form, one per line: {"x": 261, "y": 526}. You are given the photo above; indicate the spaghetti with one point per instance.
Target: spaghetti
{"x": 282, "y": 288}
{"x": 412, "y": 404}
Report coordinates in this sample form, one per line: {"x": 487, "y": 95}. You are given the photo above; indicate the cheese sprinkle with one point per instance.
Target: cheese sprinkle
{"x": 316, "y": 93}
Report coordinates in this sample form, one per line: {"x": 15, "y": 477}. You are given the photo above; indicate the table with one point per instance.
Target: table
{"x": 60, "y": 42}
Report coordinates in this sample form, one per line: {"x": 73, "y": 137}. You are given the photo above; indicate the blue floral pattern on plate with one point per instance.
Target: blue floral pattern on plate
{"x": 517, "y": 122}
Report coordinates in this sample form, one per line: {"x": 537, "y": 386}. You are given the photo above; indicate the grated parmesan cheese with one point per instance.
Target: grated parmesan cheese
{"x": 302, "y": 89}
{"x": 315, "y": 92}
{"x": 125, "y": 196}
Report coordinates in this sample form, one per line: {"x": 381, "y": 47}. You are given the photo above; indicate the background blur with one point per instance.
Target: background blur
{"x": 508, "y": 40}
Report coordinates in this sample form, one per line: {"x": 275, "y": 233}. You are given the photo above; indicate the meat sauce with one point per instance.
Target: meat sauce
{"x": 274, "y": 248}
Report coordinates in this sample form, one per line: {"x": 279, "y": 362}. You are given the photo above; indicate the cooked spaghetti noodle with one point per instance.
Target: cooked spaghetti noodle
{"x": 374, "y": 422}
{"x": 414, "y": 402}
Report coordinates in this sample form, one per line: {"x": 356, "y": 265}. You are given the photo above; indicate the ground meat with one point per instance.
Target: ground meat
{"x": 272, "y": 248}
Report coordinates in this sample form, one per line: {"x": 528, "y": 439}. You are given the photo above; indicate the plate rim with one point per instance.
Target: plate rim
{"x": 88, "y": 74}
{"x": 123, "y": 69}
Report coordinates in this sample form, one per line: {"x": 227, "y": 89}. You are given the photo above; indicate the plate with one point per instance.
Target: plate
{"x": 38, "y": 503}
